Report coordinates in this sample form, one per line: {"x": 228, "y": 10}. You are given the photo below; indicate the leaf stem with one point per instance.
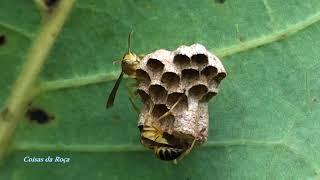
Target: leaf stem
{"x": 23, "y": 89}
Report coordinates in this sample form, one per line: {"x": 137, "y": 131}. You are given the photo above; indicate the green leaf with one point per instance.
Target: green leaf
{"x": 264, "y": 123}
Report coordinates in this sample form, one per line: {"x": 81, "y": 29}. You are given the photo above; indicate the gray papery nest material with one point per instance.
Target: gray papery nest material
{"x": 191, "y": 74}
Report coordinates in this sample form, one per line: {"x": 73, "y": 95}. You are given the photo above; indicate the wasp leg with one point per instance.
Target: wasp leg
{"x": 170, "y": 111}
{"x": 117, "y": 61}
{"x": 135, "y": 107}
{"x": 132, "y": 96}
{"x": 186, "y": 152}
{"x": 175, "y": 162}
{"x": 132, "y": 85}
{"x": 190, "y": 148}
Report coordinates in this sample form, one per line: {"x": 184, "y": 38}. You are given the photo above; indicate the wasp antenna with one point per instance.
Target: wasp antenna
{"x": 129, "y": 41}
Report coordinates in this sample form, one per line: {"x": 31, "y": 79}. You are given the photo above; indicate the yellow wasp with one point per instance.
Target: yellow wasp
{"x": 165, "y": 146}
{"x": 129, "y": 64}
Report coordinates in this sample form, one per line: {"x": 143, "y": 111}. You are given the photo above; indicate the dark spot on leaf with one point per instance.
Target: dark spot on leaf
{"x": 51, "y": 3}
{"x": 2, "y": 39}
{"x": 283, "y": 36}
{"x": 54, "y": 35}
{"x": 38, "y": 115}
{"x": 259, "y": 46}
{"x": 242, "y": 39}
{"x": 220, "y": 1}
{"x": 314, "y": 99}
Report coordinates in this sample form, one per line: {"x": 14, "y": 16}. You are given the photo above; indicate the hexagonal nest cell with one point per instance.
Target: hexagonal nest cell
{"x": 190, "y": 74}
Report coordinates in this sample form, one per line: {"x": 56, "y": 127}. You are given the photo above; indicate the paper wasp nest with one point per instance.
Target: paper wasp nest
{"x": 190, "y": 72}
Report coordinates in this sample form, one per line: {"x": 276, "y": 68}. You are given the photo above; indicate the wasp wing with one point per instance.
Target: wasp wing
{"x": 114, "y": 91}
{"x": 135, "y": 107}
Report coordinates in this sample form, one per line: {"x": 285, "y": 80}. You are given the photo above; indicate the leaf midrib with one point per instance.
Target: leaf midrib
{"x": 22, "y": 91}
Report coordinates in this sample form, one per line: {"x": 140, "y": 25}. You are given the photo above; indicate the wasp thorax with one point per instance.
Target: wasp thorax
{"x": 190, "y": 75}
{"x": 130, "y": 63}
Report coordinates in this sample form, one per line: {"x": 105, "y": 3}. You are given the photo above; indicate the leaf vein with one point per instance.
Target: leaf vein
{"x": 132, "y": 147}
{"x": 264, "y": 40}
{"x": 269, "y": 12}
{"x": 223, "y": 52}
{"x": 16, "y": 30}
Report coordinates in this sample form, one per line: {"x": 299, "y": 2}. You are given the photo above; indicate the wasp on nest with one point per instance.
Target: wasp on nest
{"x": 175, "y": 88}
{"x": 129, "y": 64}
